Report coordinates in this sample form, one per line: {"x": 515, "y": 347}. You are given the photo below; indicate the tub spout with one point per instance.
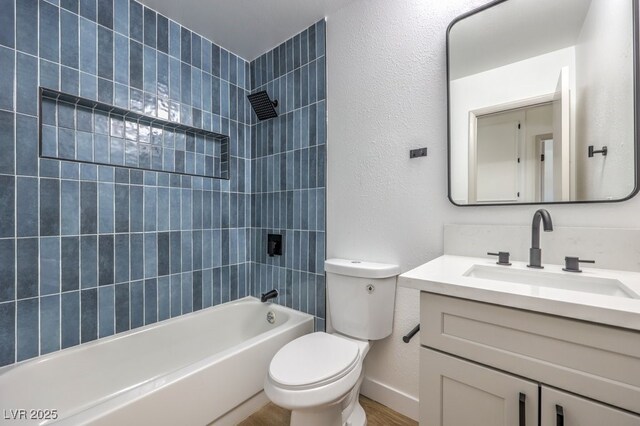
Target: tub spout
{"x": 269, "y": 295}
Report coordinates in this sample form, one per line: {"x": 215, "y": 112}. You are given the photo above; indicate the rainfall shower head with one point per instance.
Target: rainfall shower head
{"x": 262, "y": 105}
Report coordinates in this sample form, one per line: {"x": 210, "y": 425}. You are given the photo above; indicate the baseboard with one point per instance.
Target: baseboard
{"x": 242, "y": 411}
{"x": 395, "y": 399}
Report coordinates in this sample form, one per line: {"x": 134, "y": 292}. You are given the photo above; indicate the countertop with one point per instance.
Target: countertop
{"x": 445, "y": 275}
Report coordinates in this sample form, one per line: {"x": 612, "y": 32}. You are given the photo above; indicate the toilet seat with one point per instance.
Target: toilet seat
{"x": 313, "y": 360}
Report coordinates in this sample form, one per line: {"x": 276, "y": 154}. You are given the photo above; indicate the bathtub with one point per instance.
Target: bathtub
{"x": 190, "y": 370}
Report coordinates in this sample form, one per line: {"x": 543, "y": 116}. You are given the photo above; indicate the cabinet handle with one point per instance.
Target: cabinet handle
{"x": 559, "y": 415}
{"x": 523, "y": 399}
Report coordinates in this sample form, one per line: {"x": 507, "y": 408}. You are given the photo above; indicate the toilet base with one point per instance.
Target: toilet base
{"x": 345, "y": 412}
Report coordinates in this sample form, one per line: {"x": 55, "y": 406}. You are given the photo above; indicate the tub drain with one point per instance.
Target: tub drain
{"x": 271, "y": 317}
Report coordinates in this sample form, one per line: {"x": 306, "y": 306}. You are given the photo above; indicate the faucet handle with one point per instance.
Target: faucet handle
{"x": 503, "y": 257}
{"x": 572, "y": 264}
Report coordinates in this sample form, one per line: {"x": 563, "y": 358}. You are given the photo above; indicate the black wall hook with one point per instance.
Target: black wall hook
{"x": 602, "y": 151}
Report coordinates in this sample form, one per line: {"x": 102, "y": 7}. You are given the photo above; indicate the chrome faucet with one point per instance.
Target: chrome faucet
{"x": 535, "y": 253}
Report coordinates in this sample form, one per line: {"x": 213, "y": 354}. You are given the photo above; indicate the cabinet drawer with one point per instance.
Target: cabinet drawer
{"x": 560, "y": 408}
{"x": 597, "y": 361}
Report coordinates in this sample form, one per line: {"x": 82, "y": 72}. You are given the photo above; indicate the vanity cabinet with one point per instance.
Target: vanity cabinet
{"x": 478, "y": 360}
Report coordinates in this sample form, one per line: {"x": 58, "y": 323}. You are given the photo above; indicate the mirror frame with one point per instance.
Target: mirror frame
{"x": 636, "y": 113}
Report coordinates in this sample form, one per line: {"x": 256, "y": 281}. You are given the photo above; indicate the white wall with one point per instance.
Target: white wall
{"x": 521, "y": 80}
{"x": 604, "y": 53}
{"x": 386, "y": 95}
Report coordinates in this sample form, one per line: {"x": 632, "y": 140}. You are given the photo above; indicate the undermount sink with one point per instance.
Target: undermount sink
{"x": 573, "y": 282}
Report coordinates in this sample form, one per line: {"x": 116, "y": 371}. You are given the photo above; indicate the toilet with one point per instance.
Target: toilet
{"x": 318, "y": 376}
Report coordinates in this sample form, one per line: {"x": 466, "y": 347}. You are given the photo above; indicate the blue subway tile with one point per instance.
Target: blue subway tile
{"x": 69, "y": 42}
{"x": 88, "y": 46}
{"x": 185, "y": 45}
{"x": 176, "y": 295}
{"x": 70, "y": 5}
{"x": 84, "y": 145}
{"x": 88, "y": 9}
{"x": 88, "y": 315}
{"x": 70, "y": 199}
{"x": 49, "y": 207}
{"x": 105, "y": 13}
{"x": 150, "y": 301}
{"x": 149, "y": 27}
{"x": 70, "y": 263}
{"x": 136, "y": 69}
{"x": 26, "y": 21}
{"x": 105, "y": 260}
{"x": 49, "y": 36}
{"x": 88, "y": 208}
{"x": 106, "y": 207}
{"x": 7, "y": 270}
{"x": 137, "y": 304}
{"x": 121, "y": 261}
{"x": 162, "y": 37}
{"x": 88, "y": 86}
{"x": 27, "y": 268}
{"x": 121, "y": 16}
{"x": 149, "y": 69}
{"x": 187, "y": 292}
{"x": 27, "y": 207}
{"x": 106, "y": 311}
{"x": 7, "y": 78}
{"x": 164, "y": 298}
{"x": 150, "y": 255}
{"x": 137, "y": 256}
{"x": 50, "y": 322}
{"x": 70, "y": 319}
{"x": 49, "y": 265}
{"x": 27, "y": 335}
{"x": 27, "y": 84}
{"x": 88, "y": 261}
{"x": 7, "y": 333}
{"x": 121, "y": 54}
{"x": 70, "y": 80}
{"x": 135, "y": 21}
{"x": 122, "y": 307}
{"x": 7, "y": 28}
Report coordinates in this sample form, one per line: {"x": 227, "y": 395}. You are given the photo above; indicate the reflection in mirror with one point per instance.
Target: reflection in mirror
{"x": 532, "y": 85}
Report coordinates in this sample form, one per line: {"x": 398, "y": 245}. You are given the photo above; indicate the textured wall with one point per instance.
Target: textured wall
{"x": 288, "y": 173}
{"x": 386, "y": 94}
{"x": 88, "y": 251}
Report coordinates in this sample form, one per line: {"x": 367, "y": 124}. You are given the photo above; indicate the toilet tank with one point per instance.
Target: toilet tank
{"x": 361, "y": 297}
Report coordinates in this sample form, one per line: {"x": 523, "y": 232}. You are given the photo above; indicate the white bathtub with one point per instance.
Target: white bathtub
{"x": 190, "y": 370}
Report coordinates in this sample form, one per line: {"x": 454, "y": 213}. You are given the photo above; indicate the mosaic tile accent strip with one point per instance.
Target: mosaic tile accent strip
{"x": 78, "y": 129}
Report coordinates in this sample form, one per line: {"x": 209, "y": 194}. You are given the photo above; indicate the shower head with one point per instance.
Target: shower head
{"x": 262, "y": 105}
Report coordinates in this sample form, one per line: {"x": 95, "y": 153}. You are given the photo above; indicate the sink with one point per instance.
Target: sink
{"x": 562, "y": 281}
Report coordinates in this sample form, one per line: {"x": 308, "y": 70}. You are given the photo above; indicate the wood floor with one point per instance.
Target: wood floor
{"x": 377, "y": 415}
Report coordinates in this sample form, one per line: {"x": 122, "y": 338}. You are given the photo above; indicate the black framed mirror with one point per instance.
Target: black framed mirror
{"x": 542, "y": 99}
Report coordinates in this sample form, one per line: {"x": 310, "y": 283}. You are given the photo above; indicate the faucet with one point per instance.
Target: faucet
{"x": 269, "y": 295}
{"x": 535, "y": 253}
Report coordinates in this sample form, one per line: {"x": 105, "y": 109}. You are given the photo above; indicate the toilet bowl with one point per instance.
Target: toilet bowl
{"x": 318, "y": 376}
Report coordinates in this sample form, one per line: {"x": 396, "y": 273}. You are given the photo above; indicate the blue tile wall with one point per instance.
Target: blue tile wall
{"x": 288, "y": 172}
{"x": 90, "y": 250}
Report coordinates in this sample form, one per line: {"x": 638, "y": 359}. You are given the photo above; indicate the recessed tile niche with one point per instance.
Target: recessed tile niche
{"x": 86, "y": 131}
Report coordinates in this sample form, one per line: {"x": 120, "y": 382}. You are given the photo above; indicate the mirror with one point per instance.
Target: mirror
{"x": 541, "y": 102}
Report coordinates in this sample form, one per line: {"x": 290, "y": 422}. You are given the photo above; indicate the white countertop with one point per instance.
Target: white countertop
{"x": 445, "y": 275}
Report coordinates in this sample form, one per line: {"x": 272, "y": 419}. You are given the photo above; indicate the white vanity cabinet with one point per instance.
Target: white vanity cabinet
{"x": 484, "y": 364}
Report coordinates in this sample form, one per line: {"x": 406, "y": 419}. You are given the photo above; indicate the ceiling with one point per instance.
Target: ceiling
{"x": 247, "y": 28}
{"x": 514, "y": 31}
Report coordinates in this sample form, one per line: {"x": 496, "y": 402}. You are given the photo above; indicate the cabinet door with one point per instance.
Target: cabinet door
{"x": 562, "y": 409}
{"x": 454, "y": 392}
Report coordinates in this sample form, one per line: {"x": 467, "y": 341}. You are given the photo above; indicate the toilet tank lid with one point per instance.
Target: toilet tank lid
{"x": 361, "y": 269}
